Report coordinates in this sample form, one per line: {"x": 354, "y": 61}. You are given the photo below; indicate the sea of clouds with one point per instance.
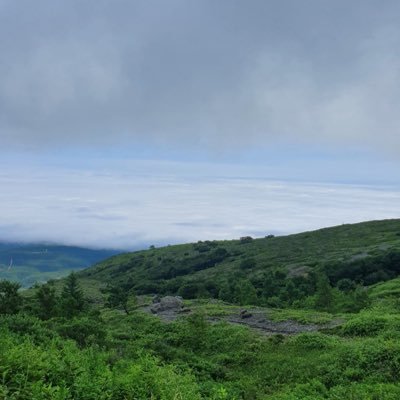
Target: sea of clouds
{"x": 146, "y": 203}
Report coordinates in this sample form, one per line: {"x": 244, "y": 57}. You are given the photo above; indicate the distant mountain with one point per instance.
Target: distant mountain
{"x": 365, "y": 253}
{"x": 30, "y": 263}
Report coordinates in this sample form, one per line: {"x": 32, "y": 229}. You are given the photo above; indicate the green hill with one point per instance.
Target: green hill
{"x": 30, "y": 263}
{"x": 307, "y": 316}
{"x": 363, "y": 253}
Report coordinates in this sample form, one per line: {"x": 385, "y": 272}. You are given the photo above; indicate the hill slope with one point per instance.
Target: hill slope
{"x": 32, "y": 263}
{"x": 365, "y": 253}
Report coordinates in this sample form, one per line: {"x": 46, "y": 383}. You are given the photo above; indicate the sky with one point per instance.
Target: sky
{"x": 130, "y": 123}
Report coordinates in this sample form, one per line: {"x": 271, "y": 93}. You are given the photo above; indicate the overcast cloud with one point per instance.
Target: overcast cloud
{"x": 205, "y": 73}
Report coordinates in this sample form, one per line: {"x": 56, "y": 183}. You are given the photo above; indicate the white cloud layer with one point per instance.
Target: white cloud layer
{"x": 145, "y": 203}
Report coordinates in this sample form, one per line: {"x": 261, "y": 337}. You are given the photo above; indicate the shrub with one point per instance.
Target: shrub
{"x": 313, "y": 341}
{"x": 365, "y": 325}
{"x": 85, "y": 331}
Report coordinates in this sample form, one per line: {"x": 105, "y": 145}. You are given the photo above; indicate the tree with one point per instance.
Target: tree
{"x": 189, "y": 290}
{"x": 324, "y": 294}
{"x": 246, "y": 293}
{"x": 248, "y": 263}
{"x": 361, "y": 299}
{"x": 226, "y": 292}
{"x": 117, "y": 297}
{"x": 72, "y": 298}
{"x": 47, "y": 302}
{"x": 346, "y": 285}
{"x": 290, "y": 292}
{"x": 10, "y": 299}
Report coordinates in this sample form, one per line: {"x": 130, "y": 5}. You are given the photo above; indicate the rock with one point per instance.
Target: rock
{"x": 245, "y": 314}
{"x": 156, "y": 299}
{"x": 167, "y": 303}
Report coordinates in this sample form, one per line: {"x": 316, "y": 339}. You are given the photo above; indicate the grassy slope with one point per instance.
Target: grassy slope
{"x": 295, "y": 253}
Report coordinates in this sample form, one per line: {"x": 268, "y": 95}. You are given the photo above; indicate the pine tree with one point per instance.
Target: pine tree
{"x": 72, "y": 298}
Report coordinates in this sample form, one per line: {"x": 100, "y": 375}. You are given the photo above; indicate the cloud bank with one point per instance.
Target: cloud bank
{"x": 138, "y": 206}
{"x": 201, "y": 73}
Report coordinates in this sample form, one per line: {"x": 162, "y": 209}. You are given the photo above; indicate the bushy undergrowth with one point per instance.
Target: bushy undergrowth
{"x": 137, "y": 356}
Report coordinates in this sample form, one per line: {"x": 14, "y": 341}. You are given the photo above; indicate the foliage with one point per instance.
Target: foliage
{"x": 10, "y": 299}
{"x": 324, "y": 296}
{"x": 117, "y": 297}
{"x": 46, "y": 302}
{"x": 72, "y": 298}
{"x": 285, "y": 271}
{"x": 70, "y": 340}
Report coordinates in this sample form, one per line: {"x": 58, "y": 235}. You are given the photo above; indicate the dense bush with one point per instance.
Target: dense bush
{"x": 365, "y": 325}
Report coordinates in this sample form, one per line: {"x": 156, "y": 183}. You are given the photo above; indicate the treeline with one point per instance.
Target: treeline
{"x": 45, "y": 303}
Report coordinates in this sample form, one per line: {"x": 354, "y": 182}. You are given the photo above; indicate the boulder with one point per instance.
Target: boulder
{"x": 167, "y": 303}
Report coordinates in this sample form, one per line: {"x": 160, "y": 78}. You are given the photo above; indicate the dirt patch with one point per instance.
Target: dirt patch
{"x": 255, "y": 320}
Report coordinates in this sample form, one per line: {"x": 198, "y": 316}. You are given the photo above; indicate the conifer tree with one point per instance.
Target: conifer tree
{"x": 72, "y": 298}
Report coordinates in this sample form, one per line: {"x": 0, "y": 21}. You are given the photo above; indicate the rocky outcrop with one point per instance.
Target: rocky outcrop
{"x": 167, "y": 303}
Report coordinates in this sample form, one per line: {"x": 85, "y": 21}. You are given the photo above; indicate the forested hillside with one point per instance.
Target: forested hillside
{"x": 274, "y": 271}
{"x": 30, "y": 263}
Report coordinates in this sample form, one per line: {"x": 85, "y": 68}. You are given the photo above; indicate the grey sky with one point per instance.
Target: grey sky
{"x": 201, "y": 72}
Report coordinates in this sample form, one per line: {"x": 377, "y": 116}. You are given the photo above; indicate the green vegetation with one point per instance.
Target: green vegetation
{"x": 92, "y": 335}
{"x": 28, "y": 264}
{"x": 326, "y": 270}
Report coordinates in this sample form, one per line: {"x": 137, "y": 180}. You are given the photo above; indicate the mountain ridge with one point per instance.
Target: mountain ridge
{"x": 204, "y": 268}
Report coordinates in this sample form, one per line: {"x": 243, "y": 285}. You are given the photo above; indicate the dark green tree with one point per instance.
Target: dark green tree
{"x": 324, "y": 295}
{"x": 46, "y": 302}
{"x": 117, "y": 297}
{"x": 248, "y": 263}
{"x": 246, "y": 293}
{"x": 346, "y": 285}
{"x": 361, "y": 299}
{"x": 72, "y": 298}
{"x": 10, "y": 299}
{"x": 226, "y": 292}
{"x": 290, "y": 292}
{"x": 189, "y": 290}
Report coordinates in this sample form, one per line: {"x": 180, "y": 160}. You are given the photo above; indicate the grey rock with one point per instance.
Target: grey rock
{"x": 167, "y": 303}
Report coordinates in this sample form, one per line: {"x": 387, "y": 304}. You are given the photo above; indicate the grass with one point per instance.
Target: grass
{"x": 302, "y": 316}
